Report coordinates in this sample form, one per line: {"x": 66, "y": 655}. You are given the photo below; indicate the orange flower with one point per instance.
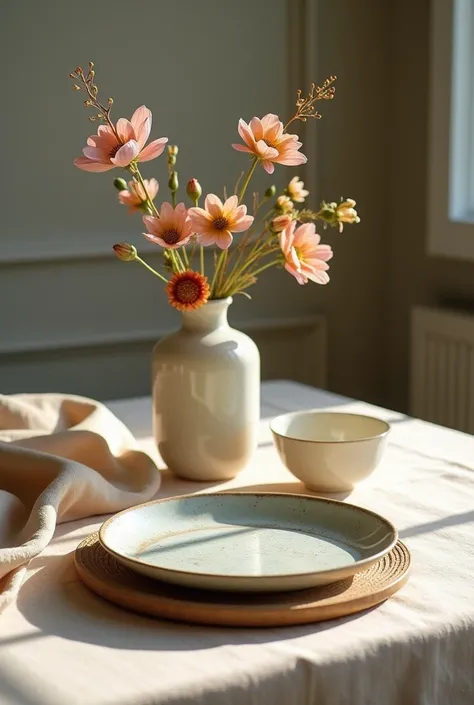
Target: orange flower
{"x": 188, "y": 290}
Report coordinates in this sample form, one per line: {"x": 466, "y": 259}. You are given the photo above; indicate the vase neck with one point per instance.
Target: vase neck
{"x": 211, "y": 316}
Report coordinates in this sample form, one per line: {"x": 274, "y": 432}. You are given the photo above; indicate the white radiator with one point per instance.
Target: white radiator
{"x": 442, "y": 367}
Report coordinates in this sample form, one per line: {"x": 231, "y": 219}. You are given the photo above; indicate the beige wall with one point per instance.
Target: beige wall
{"x": 374, "y": 147}
{"x": 86, "y": 323}
{"x": 371, "y": 146}
{"x": 72, "y": 317}
{"x": 414, "y": 278}
{"x": 353, "y": 141}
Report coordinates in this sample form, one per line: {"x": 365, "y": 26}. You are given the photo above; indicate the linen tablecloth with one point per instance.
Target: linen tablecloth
{"x": 60, "y": 644}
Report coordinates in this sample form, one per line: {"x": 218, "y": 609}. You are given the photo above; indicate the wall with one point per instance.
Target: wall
{"x": 352, "y": 161}
{"x": 77, "y": 319}
{"x": 414, "y": 278}
{"x": 198, "y": 75}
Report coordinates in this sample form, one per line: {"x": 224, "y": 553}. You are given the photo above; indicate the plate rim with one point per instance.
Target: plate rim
{"x": 364, "y": 563}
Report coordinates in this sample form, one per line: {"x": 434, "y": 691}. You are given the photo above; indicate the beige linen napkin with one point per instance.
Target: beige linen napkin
{"x": 61, "y": 458}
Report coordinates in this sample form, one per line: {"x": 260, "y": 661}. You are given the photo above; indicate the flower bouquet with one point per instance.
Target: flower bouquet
{"x": 206, "y": 377}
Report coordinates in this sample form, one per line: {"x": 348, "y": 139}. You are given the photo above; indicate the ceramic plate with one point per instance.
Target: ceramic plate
{"x": 247, "y": 542}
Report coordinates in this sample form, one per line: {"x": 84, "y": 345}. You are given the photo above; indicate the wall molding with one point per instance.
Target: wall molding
{"x": 110, "y": 338}
{"x": 111, "y": 367}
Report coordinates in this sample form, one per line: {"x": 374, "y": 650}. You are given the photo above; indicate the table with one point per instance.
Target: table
{"x": 62, "y": 645}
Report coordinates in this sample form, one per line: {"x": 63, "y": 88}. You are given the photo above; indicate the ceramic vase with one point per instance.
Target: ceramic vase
{"x": 206, "y": 396}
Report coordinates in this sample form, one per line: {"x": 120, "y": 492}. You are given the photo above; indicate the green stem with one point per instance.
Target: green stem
{"x": 242, "y": 283}
{"x": 193, "y": 250}
{"x": 247, "y": 178}
{"x": 185, "y": 257}
{"x": 216, "y": 272}
{"x": 265, "y": 266}
{"x": 153, "y": 271}
{"x": 201, "y": 257}
{"x": 176, "y": 260}
{"x": 247, "y": 238}
{"x": 136, "y": 172}
{"x": 173, "y": 198}
{"x": 179, "y": 260}
{"x": 222, "y": 270}
{"x": 237, "y": 272}
{"x": 257, "y": 243}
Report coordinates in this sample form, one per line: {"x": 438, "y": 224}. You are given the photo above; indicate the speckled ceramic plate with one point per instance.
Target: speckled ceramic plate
{"x": 247, "y": 542}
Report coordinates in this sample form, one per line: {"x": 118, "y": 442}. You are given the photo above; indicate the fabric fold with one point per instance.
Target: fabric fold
{"x": 62, "y": 458}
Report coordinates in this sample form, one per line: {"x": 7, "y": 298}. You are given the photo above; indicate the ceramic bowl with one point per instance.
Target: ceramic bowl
{"x": 330, "y": 451}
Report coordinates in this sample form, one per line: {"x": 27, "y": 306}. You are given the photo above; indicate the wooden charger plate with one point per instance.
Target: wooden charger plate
{"x": 104, "y": 575}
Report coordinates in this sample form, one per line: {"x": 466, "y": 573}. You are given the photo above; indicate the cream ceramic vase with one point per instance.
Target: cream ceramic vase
{"x": 206, "y": 396}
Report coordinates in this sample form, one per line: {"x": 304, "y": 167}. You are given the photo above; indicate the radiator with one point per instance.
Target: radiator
{"x": 442, "y": 367}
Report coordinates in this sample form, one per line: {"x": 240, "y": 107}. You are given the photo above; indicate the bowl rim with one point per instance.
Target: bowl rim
{"x": 314, "y": 412}
{"x": 362, "y": 563}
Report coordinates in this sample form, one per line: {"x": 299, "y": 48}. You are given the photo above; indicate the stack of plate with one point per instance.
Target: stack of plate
{"x": 248, "y": 542}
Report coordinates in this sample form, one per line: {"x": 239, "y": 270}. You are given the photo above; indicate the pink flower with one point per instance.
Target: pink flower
{"x": 281, "y": 222}
{"x": 296, "y": 190}
{"x": 305, "y": 257}
{"x": 266, "y": 139}
{"x": 216, "y": 222}
{"x": 172, "y": 229}
{"x": 135, "y": 196}
{"x": 109, "y": 149}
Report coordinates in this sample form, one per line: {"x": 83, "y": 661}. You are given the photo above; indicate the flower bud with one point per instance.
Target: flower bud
{"x": 296, "y": 190}
{"x": 281, "y": 222}
{"x": 120, "y": 184}
{"x": 348, "y": 203}
{"x": 346, "y": 213}
{"x": 284, "y": 204}
{"x": 125, "y": 252}
{"x": 194, "y": 190}
{"x": 270, "y": 192}
{"x": 173, "y": 182}
{"x": 173, "y": 150}
{"x": 171, "y": 160}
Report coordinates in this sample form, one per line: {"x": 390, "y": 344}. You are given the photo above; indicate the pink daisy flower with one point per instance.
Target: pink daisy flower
{"x": 305, "y": 257}
{"x": 108, "y": 149}
{"x": 172, "y": 229}
{"x": 266, "y": 140}
{"x": 216, "y": 222}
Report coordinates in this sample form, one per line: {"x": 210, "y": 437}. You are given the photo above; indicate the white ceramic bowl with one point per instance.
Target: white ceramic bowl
{"x": 329, "y": 451}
